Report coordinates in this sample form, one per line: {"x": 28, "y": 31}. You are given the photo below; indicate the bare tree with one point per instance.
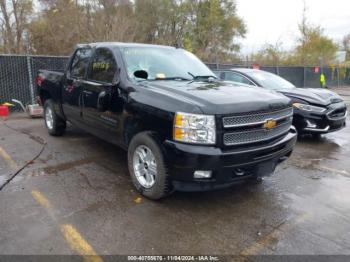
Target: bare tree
{"x": 303, "y": 29}
{"x": 14, "y": 18}
{"x": 346, "y": 42}
{"x": 346, "y": 46}
{"x": 61, "y": 24}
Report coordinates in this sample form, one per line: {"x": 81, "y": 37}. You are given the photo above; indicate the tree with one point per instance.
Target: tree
{"x": 209, "y": 28}
{"x": 162, "y": 22}
{"x": 313, "y": 45}
{"x": 215, "y": 28}
{"x": 14, "y": 18}
{"x": 110, "y": 20}
{"x": 60, "y": 26}
{"x": 346, "y": 45}
{"x": 270, "y": 54}
{"x": 64, "y": 23}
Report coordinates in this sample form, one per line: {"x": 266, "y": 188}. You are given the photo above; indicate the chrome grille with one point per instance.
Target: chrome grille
{"x": 256, "y": 119}
{"x": 256, "y": 135}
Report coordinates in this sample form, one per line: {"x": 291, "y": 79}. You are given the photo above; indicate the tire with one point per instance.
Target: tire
{"x": 54, "y": 124}
{"x": 156, "y": 184}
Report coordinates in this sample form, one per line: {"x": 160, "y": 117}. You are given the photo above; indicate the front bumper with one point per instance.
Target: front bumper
{"x": 227, "y": 166}
{"x": 319, "y": 123}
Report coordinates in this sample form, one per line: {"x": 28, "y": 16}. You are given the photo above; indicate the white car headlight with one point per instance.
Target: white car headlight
{"x": 193, "y": 128}
{"x": 309, "y": 108}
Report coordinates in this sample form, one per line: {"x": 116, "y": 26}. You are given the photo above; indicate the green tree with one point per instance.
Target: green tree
{"x": 206, "y": 27}
{"x": 215, "y": 28}
{"x": 313, "y": 45}
{"x": 161, "y": 21}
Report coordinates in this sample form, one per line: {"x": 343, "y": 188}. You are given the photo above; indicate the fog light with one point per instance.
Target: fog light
{"x": 202, "y": 174}
{"x": 311, "y": 124}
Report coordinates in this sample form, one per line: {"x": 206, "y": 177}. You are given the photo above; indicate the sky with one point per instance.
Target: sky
{"x": 272, "y": 21}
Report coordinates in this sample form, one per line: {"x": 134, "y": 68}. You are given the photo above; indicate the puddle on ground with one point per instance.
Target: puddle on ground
{"x": 68, "y": 165}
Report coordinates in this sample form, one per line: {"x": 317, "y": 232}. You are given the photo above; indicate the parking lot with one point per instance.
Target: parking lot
{"x": 77, "y": 198}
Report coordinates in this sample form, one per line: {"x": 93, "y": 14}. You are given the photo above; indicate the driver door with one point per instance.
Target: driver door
{"x": 100, "y": 96}
{"x": 73, "y": 84}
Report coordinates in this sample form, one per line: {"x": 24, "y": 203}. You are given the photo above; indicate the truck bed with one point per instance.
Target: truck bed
{"x": 50, "y": 82}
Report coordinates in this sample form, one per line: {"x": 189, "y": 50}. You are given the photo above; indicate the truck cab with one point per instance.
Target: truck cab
{"x": 182, "y": 128}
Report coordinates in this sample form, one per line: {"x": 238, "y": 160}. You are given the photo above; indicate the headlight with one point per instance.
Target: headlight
{"x": 309, "y": 108}
{"x": 192, "y": 128}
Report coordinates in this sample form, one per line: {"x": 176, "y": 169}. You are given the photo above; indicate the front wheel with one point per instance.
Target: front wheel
{"x": 147, "y": 166}
{"x": 55, "y": 125}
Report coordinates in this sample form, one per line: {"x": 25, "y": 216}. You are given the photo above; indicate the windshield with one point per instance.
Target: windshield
{"x": 270, "y": 81}
{"x": 164, "y": 63}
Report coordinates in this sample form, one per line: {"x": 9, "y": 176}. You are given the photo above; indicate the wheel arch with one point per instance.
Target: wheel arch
{"x": 44, "y": 95}
{"x": 161, "y": 129}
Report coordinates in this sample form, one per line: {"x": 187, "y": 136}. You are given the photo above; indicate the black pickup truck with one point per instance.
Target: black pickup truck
{"x": 183, "y": 128}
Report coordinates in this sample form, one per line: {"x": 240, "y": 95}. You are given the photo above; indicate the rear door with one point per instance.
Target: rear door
{"x": 102, "y": 121}
{"x": 73, "y": 84}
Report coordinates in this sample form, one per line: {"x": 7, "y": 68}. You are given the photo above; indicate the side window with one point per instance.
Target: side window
{"x": 80, "y": 62}
{"x": 103, "y": 67}
{"x": 217, "y": 73}
{"x": 230, "y": 76}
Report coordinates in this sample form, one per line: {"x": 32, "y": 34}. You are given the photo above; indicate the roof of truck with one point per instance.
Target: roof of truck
{"x": 121, "y": 44}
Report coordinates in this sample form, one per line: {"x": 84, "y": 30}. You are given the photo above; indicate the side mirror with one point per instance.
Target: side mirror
{"x": 103, "y": 101}
{"x": 141, "y": 74}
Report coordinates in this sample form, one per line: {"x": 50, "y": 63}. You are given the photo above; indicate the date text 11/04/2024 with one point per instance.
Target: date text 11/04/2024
{"x": 174, "y": 258}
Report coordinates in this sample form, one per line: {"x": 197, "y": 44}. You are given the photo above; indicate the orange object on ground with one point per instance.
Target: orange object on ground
{"x": 4, "y": 111}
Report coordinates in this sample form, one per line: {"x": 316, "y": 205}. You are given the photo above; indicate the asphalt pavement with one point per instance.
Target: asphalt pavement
{"x": 76, "y": 197}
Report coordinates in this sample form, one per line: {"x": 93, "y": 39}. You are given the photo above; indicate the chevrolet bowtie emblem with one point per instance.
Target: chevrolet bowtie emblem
{"x": 269, "y": 124}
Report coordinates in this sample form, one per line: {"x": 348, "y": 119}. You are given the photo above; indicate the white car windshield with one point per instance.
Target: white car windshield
{"x": 164, "y": 63}
{"x": 270, "y": 81}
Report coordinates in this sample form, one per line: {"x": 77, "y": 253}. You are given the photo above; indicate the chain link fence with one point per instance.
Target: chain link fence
{"x": 18, "y": 72}
{"x": 17, "y": 75}
{"x": 299, "y": 75}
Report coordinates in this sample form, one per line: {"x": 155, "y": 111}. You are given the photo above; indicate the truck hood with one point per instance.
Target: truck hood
{"x": 220, "y": 97}
{"x": 316, "y": 96}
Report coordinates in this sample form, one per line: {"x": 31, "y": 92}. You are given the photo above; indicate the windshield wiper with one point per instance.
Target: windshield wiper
{"x": 205, "y": 77}
{"x": 174, "y": 78}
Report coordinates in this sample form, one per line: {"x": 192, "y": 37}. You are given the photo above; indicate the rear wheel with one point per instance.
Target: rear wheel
{"x": 147, "y": 166}
{"x": 55, "y": 125}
